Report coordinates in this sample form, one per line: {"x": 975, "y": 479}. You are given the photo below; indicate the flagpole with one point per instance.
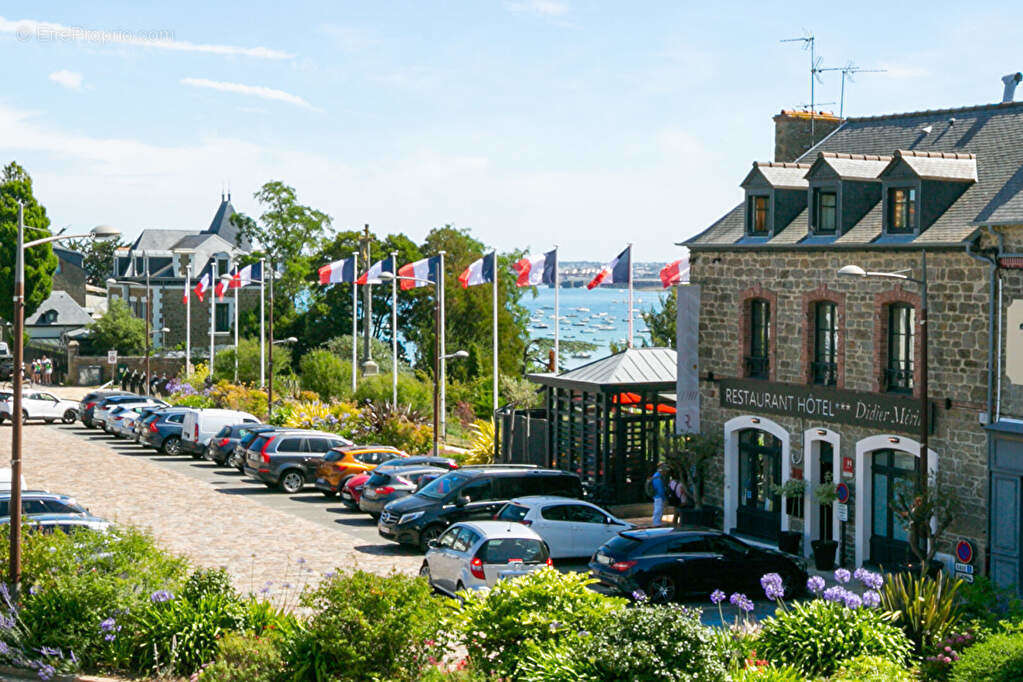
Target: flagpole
{"x": 629, "y": 345}
{"x": 355, "y": 318}
{"x": 213, "y": 314}
{"x": 188, "y": 317}
{"x": 262, "y": 321}
{"x": 495, "y": 335}
{"x": 557, "y": 313}
{"x": 443, "y": 351}
{"x": 394, "y": 328}
{"x": 237, "y": 289}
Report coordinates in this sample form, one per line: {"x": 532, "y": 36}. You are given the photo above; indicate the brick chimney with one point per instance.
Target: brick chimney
{"x": 792, "y": 132}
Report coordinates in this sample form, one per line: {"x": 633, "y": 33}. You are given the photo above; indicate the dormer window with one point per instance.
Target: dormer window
{"x": 775, "y": 195}
{"x": 826, "y": 211}
{"x": 901, "y": 210}
{"x": 758, "y": 212}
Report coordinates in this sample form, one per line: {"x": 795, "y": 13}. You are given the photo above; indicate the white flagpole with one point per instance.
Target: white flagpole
{"x": 236, "y": 291}
{"x": 629, "y": 345}
{"x": 262, "y": 322}
{"x": 394, "y": 327}
{"x": 443, "y": 352}
{"x": 495, "y": 335}
{"x": 355, "y": 318}
{"x": 557, "y": 312}
{"x": 213, "y": 312}
{"x": 188, "y": 316}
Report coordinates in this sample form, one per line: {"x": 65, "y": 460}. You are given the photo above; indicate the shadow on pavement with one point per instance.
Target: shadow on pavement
{"x": 391, "y": 549}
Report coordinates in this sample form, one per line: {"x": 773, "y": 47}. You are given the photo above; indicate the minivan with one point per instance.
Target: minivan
{"x": 288, "y": 459}
{"x": 201, "y": 425}
{"x": 468, "y": 494}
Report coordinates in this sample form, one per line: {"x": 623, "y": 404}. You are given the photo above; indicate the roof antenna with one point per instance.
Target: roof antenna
{"x": 847, "y": 72}
{"x": 815, "y": 62}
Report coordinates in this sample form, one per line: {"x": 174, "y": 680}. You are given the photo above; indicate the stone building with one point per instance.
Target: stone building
{"x": 806, "y": 373}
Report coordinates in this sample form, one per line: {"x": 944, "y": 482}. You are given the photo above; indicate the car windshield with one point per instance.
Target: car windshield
{"x": 441, "y": 487}
{"x": 223, "y": 433}
{"x": 508, "y": 550}
{"x": 378, "y": 479}
{"x": 333, "y": 456}
{"x": 258, "y": 442}
{"x": 513, "y": 513}
{"x": 622, "y": 545}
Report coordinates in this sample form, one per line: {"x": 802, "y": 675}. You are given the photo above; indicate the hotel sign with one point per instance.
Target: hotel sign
{"x": 876, "y": 410}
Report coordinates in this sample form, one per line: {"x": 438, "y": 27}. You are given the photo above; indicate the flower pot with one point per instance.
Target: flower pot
{"x": 824, "y": 554}
{"x": 789, "y": 541}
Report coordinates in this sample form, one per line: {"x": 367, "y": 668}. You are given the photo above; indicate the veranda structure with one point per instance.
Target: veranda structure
{"x": 608, "y": 420}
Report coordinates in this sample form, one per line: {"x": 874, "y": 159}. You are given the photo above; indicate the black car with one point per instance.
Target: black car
{"x": 470, "y": 493}
{"x": 224, "y": 442}
{"x": 237, "y": 458}
{"x": 667, "y": 563}
{"x": 6, "y": 369}
{"x": 162, "y": 430}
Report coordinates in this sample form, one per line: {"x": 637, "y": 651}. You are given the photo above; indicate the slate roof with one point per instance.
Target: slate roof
{"x": 992, "y": 133}
{"x": 854, "y": 166}
{"x": 222, "y": 226}
{"x": 158, "y": 240}
{"x": 633, "y": 367}
{"x": 70, "y": 256}
{"x": 780, "y": 175}
{"x": 940, "y": 165}
{"x": 69, "y": 313}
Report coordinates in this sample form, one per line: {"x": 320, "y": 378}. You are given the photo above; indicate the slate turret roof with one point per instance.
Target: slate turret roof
{"x": 632, "y": 368}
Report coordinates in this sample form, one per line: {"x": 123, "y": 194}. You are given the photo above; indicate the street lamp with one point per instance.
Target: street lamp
{"x": 149, "y": 307}
{"x": 101, "y": 232}
{"x": 189, "y": 254}
{"x": 270, "y": 383}
{"x": 857, "y": 271}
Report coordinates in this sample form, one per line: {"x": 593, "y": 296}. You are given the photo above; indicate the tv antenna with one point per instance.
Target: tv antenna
{"x": 847, "y": 72}
{"x": 809, "y": 42}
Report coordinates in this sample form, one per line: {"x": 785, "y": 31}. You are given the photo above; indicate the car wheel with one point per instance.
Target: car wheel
{"x": 329, "y": 493}
{"x": 292, "y": 482}
{"x": 424, "y": 572}
{"x": 70, "y": 416}
{"x": 88, "y": 424}
{"x": 24, "y": 416}
{"x": 172, "y": 446}
{"x": 233, "y": 460}
{"x": 427, "y": 534}
{"x": 3, "y": 417}
{"x": 661, "y": 589}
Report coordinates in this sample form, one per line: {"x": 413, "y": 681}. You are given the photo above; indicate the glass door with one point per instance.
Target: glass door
{"x": 825, "y": 524}
{"x": 759, "y": 509}
{"x": 889, "y": 541}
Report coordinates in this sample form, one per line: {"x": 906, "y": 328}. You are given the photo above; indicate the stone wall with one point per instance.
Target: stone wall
{"x": 158, "y": 365}
{"x": 792, "y": 136}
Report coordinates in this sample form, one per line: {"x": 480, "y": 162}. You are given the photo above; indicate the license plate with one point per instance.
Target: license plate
{"x": 603, "y": 559}
{"x": 385, "y": 530}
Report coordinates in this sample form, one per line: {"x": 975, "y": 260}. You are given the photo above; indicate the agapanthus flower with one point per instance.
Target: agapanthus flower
{"x": 6, "y": 622}
{"x": 815, "y": 584}
{"x": 852, "y": 600}
{"x": 717, "y": 596}
{"x": 746, "y": 604}
{"x": 46, "y": 671}
{"x": 773, "y": 586}
{"x": 842, "y": 575}
{"x": 639, "y": 595}
{"x": 160, "y": 596}
{"x": 870, "y": 580}
{"x": 836, "y": 593}
{"x": 50, "y": 651}
{"x": 871, "y": 599}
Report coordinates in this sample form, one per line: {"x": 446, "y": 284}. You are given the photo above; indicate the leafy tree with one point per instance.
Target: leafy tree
{"x": 661, "y": 322}
{"x": 118, "y": 329}
{"x": 40, "y": 261}
{"x": 688, "y": 456}
{"x": 925, "y": 514}
{"x": 99, "y": 258}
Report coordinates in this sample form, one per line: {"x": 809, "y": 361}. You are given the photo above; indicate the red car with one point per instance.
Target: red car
{"x": 353, "y": 490}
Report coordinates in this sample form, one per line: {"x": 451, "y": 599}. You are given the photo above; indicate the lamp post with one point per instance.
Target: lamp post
{"x": 857, "y": 271}
{"x": 190, "y": 255}
{"x": 14, "y": 526}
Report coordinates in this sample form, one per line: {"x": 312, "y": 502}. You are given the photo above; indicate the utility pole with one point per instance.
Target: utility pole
{"x": 369, "y": 368}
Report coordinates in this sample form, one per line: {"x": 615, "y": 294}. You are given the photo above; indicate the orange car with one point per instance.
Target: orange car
{"x": 340, "y": 464}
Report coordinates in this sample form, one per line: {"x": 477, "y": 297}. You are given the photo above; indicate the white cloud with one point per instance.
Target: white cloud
{"x": 162, "y": 39}
{"x": 67, "y": 79}
{"x": 547, "y": 8}
{"x": 250, "y": 90}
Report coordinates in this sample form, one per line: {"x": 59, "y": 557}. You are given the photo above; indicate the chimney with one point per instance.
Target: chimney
{"x": 1010, "y": 81}
{"x": 792, "y": 132}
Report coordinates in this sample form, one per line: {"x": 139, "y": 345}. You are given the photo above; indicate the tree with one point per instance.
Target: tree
{"x": 118, "y": 330}
{"x": 688, "y": 456}
{"x": 661, "y": 323}
{"x": 40, "y": 261}
{"x": 925, "y": 514}
{"x": 98, "y": 258}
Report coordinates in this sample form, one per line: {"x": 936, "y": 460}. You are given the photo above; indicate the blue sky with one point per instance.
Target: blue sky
{"x": 533, "y": 122}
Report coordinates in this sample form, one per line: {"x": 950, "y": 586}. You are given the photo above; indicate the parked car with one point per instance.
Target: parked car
{"x": 35, "y": 502}
{"x": 289, "y": 459}
{"x": 201, "y": 425}
{"x": 476, "y": 554}
{"x": 103, "y": 408}
{"x": 66, "y": 523}
{"x": 237, "y": 458}
{"x": 41, "y": 405}
{"x": 571, "y": 528}
{"x": 351, "y": 494}
{"x": 162, "y": 430}
{"x": 341, "y": 464}
{"x": 224, "y": 441}
{"x": 666, "y": 564}
{"x": 140, "y": 424}
{"x": 121, "y": 420}
{"x": 87, "y": 404}
{"x": 5, "y": 480}
{"x": 386, "y": 485}
{"x": 467, "y": 494}
{"x": 6, "y": 369}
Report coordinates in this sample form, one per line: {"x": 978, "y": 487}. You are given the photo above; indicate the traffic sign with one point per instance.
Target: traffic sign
{"x": 843, "y": 511}
{"x": 963, "y": 568}
{"x": 111, "y": 357}
{"x": 964, "y": 552}
{"x": 842, "y": 493}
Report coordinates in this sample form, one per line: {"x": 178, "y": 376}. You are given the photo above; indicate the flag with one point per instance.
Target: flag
{"x": 339, "y": 271}
{"x": 536, "y": 269}
{"x": 480, "y": 271}
{"x": 222, "y": 285}
{"x": 184, "y": 295}
{"x": 205, "y": 281}
{"x": 675, "y": 273}
{"x": 425, "y": 269}
{"x": 247, "y": 275}
{"x": 372, "y": 276}
{"x": 618, "y": 269}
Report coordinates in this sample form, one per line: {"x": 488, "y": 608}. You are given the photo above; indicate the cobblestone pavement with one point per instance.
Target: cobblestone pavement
{"x": 254, "y": 542}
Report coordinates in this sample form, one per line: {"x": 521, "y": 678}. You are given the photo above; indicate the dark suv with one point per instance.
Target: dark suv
{"x": 470, "y": 493}
{"x": 288, "y": 459}
{"x": 162, "y": 430}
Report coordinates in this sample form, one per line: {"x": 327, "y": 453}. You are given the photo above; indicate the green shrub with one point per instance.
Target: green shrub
{"x": 645, "y": 643}
{"x": 326, "y": 374}
{"x": 366, "y": 627}
{"x": 497, "y": 624}
{"x": 208, "y": 582}
{"x": 925, "y": 608}
{"x": 815, "y": 636}
{"x": 197, "y": 401}
{"x": 243, "y": 658}
{"x": 999, "y": 658}
{"x": 261, "y": 616}
{"x": 411, "y": 391}
{"x": 871, "y": 669}
{"x": 248, "y": 361}
{"x": 769, "y": 673}
{"x": 984, "y": 601}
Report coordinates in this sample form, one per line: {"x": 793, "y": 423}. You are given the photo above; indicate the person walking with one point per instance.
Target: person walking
{"x": 660, "y": 490}
{"x": 47, "y": 370}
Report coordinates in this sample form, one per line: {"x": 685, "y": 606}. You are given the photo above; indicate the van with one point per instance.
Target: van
{"x": 201, "y": 425}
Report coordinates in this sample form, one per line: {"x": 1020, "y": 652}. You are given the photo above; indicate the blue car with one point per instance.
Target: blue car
{"x": 162, "y": 430}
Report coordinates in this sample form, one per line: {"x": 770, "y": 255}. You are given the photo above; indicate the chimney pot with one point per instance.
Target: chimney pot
{"x": 1010, "y": 80}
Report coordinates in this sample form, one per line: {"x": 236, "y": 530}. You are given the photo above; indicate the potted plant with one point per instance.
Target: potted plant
{"x": 688, "y": 456}
{"x": 824, "y": 549}
{"x": 792, "y": 490}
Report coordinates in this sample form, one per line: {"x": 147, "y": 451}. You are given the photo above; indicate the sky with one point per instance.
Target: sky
{"x": 532, "y": 122}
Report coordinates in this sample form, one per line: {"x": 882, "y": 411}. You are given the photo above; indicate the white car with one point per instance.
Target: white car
{"x": 570, "y": 527}
{"x": 121, "y": 420}
{"x": 101, "y": 413}
{"x": 473, "y": 555}
{"x": 201, "y": 425}
{"x": 39, "y": 405}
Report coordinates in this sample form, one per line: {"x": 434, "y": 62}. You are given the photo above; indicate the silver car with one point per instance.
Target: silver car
{"x": 474, "y": 555}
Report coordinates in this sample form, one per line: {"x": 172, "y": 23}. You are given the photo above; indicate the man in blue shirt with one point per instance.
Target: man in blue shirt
{"x": 660, "y": 493}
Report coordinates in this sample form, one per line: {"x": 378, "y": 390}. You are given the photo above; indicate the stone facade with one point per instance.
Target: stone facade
{"x": 794, "y": 279}
{"x": 792, "y": 136}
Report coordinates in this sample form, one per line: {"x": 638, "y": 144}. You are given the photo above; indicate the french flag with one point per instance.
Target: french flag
{"x": 240, "y": 277}
{"x": 372, "y": 276}
{"x": 536, "y": 269}
{"x": 480, "y": 271}
{"x": 423, "y": 271}
{"x": 205, "y": 281}
{"x": 675, "y": 273}
{"x": 339, "y": 271}
{"x": 619, "y": 269}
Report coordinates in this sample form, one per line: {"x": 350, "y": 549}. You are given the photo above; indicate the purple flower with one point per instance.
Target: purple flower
{"x": 160, "y": 596}
{"x": 4, "y": 649}
{"x": 110, "y": 637}
{"x": 873, "y": 581}
{"x": 842, "y": 575}
{"x": 639, "y": 595}
{"x": 871, "y": 599}
{"x": 746, "y": 604}
{"x": 717, "y": 596}
{"x": 50, "y": 651}
{"x": 6, "y": 622}
{"x": 815, "y": 584}
{"x": 836, "y": 593}
{"x": 107, "y": 625}
{"x": 329, "y": 574}
{"x": 46, "y": 671}
{"x": 852, "y": 600}
{"x": 773, "y": 586}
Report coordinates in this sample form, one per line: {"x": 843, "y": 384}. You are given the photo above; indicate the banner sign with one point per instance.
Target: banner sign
{"x": 875, "y": 410}
{"x": 687, "y": 390}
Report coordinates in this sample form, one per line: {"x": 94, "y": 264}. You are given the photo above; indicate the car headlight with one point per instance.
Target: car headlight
{"x": 407, "y": 518}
